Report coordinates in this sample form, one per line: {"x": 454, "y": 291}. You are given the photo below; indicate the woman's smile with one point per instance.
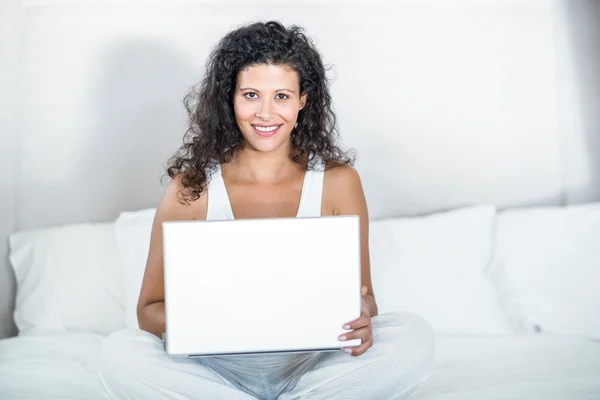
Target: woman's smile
{"x": 266, "y": 130}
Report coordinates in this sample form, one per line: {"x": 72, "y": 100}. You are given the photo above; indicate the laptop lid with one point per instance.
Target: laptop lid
{"x": 260, "y": 285}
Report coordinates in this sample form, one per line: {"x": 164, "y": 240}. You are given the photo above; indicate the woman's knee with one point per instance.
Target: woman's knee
{"x": 423, "y": 337}
{"x": 407, "y": 340}
{"x": 123, "y": 352}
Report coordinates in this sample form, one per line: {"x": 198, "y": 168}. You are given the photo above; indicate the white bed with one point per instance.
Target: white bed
{"x": 51, "y": 366}
{"x": 62, "y": 366}
{"x": 494, "y": 339}
{"x": 541, "y": 367}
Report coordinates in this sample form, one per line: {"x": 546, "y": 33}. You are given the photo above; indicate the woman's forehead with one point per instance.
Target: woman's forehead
{"x": 268, "y": 77}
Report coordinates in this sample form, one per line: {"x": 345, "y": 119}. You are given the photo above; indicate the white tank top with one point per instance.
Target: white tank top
{"x": 280, "y": 371}
{"x": 219, "y": 207}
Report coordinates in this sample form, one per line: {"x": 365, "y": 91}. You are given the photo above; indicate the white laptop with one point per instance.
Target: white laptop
{"x": 249, "y": 286}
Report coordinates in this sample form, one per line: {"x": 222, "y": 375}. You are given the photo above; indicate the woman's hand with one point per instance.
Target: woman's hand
{"x": 361, "y": 330}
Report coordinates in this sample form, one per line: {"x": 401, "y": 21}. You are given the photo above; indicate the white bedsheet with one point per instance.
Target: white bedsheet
{"x": 63, "y": 366}
{"x": 59, "y": 366}
{"x": 532, "y": 367}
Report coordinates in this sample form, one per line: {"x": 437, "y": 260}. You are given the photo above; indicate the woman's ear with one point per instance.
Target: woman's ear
{"x": 303, "y": 100}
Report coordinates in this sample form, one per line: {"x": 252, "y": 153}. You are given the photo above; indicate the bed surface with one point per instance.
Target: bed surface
{"x": 63, "y": 366}
{"x": 518, "y": 367}
{"x": 58, "y": 366}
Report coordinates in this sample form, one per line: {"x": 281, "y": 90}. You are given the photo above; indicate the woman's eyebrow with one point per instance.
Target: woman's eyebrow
{"x": 256, "y": 90}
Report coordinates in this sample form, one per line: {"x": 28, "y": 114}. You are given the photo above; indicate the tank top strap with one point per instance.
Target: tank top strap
{"x": 218, "y": 207}
{"x": 312, "y": 192}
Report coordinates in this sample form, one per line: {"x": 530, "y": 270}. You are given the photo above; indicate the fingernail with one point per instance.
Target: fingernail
{"x": 347, "y": 350}
{"x": 346, "y": 326}
{"x": 342, "y": 338}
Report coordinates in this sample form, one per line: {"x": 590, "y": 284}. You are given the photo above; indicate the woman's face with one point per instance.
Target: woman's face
{"x": 266, "y": 103}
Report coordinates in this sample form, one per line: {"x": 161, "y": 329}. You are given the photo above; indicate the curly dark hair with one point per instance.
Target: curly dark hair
{"x": 213, "y": 136}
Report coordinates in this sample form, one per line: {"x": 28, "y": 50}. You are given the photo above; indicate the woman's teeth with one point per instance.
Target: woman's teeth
{"x": 266, "y": 129}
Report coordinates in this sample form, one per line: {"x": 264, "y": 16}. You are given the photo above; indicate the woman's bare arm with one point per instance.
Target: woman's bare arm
{"x": 343, "y": 194}
{"x": 151, "y": 303}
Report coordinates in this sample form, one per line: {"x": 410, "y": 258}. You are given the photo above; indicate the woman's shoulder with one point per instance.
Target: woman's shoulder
{"x": 342, "y": 189}
{"x": 180, "y": 199}
{"x": 341, "y": 175}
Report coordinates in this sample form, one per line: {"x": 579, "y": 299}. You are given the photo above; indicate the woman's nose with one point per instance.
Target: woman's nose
{"x": 265, "y": 111}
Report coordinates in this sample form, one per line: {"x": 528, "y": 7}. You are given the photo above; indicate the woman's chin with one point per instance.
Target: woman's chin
{"x": 267, "y": 145}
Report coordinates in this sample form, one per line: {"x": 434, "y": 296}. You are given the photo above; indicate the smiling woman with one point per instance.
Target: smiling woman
{"x": 261, "y": 144}
{"x": 266, "y": 104}
{"x": 258, "y": 77}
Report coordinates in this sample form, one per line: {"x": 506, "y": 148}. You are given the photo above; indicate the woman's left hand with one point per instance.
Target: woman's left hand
{"x": 361, "y": 329}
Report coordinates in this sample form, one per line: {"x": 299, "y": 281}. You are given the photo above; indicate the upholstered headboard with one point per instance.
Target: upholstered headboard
{"x": 446, "y": 106}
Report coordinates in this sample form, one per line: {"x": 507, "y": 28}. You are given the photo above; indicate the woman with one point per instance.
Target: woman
{"x": 261, "y": 143}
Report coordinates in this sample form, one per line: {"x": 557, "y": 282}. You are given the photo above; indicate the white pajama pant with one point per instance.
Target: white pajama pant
{"x": 134, "y": 365}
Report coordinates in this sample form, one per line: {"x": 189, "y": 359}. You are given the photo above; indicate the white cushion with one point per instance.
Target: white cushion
{"x": 68, "y": 279}
{"x": 547, "y": 268}
{"x": 431, "y": 265}
{"x": 132, "y": 232}
{"x": 435, "y": 266}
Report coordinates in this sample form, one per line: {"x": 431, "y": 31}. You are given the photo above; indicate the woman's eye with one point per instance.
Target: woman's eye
{"x": 251, "y": 95}
{"x": 283, "y": 96}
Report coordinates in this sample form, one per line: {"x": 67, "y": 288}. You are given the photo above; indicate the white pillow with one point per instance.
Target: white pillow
{"x": 460, "y": 242}
{"x": 435, "y": 266}
{"x": 547, "y": 269}
{"x": 68, "y": 279}
{"x": 132, "y": 232}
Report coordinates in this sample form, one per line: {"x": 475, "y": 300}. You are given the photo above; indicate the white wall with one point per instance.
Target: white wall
{"x": 9, "y": 146}
{"x": 447, "y": 102}
{"x": 578, "y": 49}
{"x": 450, "y": 100}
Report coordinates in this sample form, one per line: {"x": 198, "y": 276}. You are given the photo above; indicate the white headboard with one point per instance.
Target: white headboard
{"x": 445, "y": 105}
